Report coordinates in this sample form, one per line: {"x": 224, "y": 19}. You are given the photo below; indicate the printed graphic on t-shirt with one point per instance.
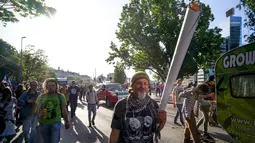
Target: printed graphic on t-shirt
{"x": 139, "y": 127}
{"x": 50, "y": 109}
{"x": 73, "y": 91}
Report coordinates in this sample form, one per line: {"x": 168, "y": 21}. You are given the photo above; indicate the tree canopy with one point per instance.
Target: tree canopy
{"x": 119, "y": 74}
{"x": 10, "y": 8}
{"x": 249, "y": 22}
{"x": 148, "y": 31}
{"x": 35, "y": 64}
{"x": 8, "y": 59}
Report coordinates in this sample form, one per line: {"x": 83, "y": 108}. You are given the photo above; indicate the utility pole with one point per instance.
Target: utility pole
{"x": 95, "y": 73}
{"x": 21, "y": 55}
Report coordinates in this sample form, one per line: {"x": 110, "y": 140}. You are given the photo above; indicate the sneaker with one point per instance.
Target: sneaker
{"x": 93, "y": 123}
{"x": 176, "y": 123}
{"x": 207, "y": 137}
{"x": 90, "y": 125}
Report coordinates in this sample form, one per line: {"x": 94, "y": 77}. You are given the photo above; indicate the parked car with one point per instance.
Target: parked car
{"x": 111, "y": 93}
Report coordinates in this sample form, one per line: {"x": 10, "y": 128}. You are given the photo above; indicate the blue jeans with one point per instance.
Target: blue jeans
{"x": 50, "y": 132}
{"x": 92, "y": 108}
{"x": 179, "y": 112}
{"x": 30, "y": 123}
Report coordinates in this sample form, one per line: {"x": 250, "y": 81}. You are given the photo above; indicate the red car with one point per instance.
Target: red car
{"x": 111, "y": 93}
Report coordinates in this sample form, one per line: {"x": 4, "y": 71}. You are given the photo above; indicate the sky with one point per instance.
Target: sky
{"x": 77, "y": 38}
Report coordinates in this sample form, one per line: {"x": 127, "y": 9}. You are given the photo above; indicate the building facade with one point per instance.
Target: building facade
{"x": 235, "y": 35}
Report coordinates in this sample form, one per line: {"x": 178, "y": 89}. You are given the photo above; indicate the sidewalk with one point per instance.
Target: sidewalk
{"x": 157, "y": 98}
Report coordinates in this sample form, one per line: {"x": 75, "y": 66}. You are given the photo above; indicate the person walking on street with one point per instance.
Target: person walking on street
{"x": 18, "y": 92}
{"x": 135, "y": 118}
{"x": 50, "y": 107}
{"x": 157, "y": 90}
{"x": 64, "y": 91}
{"x": 205, "y": 107}
{"x": 73, "y": 92}
{"x": 80, "y": 93}
{"x": 92, "y": 101}
{"x": 178, "y": 102}
{"x": 9, "y": 120}
{"x": 27, "y": 104}
{"x": 84, "y": 91}
{"x": 161, "y": 86}
{"x": 191, "y": 109}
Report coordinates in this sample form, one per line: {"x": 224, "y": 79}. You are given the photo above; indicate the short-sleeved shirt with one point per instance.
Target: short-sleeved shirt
{"x": 177, "y": 90}
{"x": 189, "y": 102}
{"x": 73, "y": 92}
{"x": 65, "y": 92}
{"x": 134, "y": 127}
{"x": 51, "y": 112}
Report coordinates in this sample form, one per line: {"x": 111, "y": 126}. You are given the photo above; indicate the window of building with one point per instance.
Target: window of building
{"x": 243, "y": 85}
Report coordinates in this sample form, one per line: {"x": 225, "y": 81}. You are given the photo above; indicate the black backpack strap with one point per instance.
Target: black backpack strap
{"x": 60, "y": 98}
{"x": 60, "y": 103}
{"x": 124, "y": 106}
{"x": 123, "y": 111}
{"x": 41, "y": 100}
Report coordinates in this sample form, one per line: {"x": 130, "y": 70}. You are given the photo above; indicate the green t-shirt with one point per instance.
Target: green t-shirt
{"x": 51, "y": 111}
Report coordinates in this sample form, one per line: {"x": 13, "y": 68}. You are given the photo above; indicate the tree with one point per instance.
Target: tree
{"x": 9, "y": 59}
{"x": 101, "y": 77}
{"x": 249, "y": 22}
{"x": 34, "y": 64}
{"x": 70, "y": 78}
{"x": 156, "y": 77}
{"x": 119, "y": 74}
{"x": 51, "y": 73}
{"x": 148, "y": 31}
{"x": 25, "y": 8}
{"x": 9, "y": 51}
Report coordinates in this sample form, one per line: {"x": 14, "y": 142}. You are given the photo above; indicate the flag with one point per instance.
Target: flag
{"x": 9, "y": 82}
{"x": 4, "y": 79}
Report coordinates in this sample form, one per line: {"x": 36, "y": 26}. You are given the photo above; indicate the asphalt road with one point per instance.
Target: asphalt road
{"x": 79, "y": 132}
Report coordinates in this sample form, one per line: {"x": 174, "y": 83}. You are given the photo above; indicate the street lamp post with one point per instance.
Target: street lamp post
{"x": 21, "y": 55}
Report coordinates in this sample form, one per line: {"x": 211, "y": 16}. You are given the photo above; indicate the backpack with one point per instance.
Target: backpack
{"x": 40, "y": 106}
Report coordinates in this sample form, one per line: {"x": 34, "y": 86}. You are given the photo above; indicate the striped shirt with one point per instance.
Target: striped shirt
{"x": 189, "y": 103}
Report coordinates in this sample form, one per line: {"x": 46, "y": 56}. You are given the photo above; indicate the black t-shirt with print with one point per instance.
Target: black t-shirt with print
{"x": 134, "y": 127}
{"x": 73, "y": 90}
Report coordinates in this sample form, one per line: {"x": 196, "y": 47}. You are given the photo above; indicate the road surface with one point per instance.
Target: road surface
{"x": 79, "y": 132}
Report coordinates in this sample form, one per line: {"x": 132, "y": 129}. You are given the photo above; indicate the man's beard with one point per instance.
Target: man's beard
{"x": 141, "y": 95}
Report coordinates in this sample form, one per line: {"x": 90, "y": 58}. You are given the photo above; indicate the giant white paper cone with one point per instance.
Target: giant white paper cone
{"x": 187, "y": 31}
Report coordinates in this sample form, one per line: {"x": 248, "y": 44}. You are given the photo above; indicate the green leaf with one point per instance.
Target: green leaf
{"x": 119, "y": 74}
{"x": 148, "y": 31}
{"x": 249, "y": 9}
{"x": 23, "y": 8}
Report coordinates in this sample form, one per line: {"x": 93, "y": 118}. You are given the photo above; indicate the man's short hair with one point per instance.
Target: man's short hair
{"x": 45, "y": 83}
{"x": 178, "y": 80}
{"x": 203, "y": 87}
{"x": 33, "y": 82}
